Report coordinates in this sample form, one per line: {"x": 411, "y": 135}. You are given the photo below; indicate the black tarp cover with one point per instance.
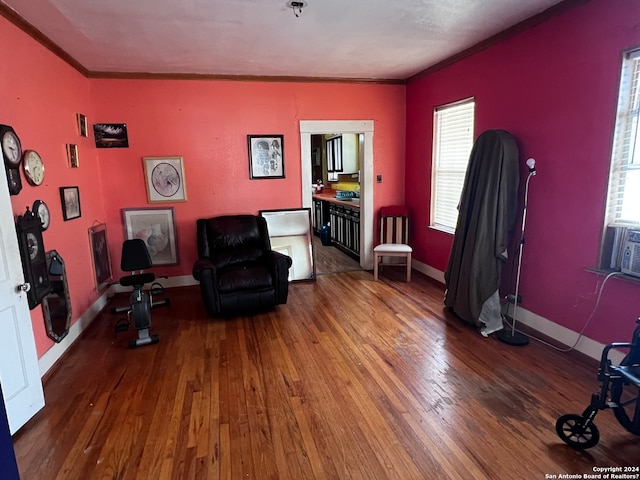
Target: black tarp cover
{"x": 487, "y": 211}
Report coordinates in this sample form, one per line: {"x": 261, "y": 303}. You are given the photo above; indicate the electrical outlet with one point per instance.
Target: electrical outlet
{"x": 379, "y": 179}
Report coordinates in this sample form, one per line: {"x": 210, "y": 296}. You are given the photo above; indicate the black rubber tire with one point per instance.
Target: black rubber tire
{"x": 570, "y": 428}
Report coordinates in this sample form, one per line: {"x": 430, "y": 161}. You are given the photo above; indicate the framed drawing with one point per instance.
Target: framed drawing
{"x": 165, "y": 179}
{"x": 111, "y": 135}
{"x": 100, "y": 255}
{"x": 157, "y": 227}
{"x": 82, "y": 125}
{"x": 290, "y": 233}
{"x": 72, "y": 155}
{"x": 70, "y": 199}
{"x": 266, "y": 156}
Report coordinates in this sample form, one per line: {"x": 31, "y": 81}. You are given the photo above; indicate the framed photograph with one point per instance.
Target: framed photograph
{"x": 165, "y": 179}
{"x": 111, "y": 135}
{"x": 70, "y": 198}
{"x": 157, "y": 227}
{"x": 100, "y": 255}
{"x": 266, "y": 156}
{"x": 72, "y": 155}
{"x": 82, "y": 125}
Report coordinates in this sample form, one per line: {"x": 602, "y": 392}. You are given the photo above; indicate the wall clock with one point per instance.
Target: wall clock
{"x": 33, "y": 167}
{"x": 12, "y": 153}
{"x": 32, "y": 253}
{"x": 42, "y": 210}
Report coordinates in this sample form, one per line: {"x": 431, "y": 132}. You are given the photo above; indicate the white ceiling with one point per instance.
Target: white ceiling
{"x": 357, "y": 39}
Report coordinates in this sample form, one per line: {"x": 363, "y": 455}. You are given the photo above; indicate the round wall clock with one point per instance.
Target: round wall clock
{"x": 42, "y": 210}
{"x": 33, "y": 167}
{"x": 11, "y": 147}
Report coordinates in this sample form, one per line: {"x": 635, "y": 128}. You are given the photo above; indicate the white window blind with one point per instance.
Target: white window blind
{"x": 452, "y": 144}
{"x": 623, "y": 205}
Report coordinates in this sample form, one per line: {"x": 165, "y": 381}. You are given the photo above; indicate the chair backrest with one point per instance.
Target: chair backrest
{"x": 135, "y": 255}
{"x": 394, "y": 224}
{"x": 232, "y": 239}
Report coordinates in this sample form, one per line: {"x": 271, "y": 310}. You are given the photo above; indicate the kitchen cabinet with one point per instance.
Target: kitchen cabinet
{"x": 320, "y": 214}
{"x": 345, "y": 228}
{"x": 343, "y": 154}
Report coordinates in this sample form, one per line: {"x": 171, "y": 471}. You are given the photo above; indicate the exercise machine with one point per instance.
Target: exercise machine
{"x": 136, "y": 258}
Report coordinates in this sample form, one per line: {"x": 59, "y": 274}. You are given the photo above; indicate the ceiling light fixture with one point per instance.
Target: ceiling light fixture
{"x": 296, "y": 6}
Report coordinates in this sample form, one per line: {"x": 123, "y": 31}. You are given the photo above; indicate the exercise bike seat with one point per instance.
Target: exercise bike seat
{"x": 137, "y": 279}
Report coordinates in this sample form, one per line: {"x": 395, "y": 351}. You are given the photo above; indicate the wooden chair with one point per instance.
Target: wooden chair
{"x": 394, "y": 237}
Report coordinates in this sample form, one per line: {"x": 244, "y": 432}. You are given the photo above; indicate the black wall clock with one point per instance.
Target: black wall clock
{"x": 11, "y": 150}
{"x": 32, "y": 253}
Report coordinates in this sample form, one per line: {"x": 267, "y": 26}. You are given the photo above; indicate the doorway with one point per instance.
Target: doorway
{"x": 322, "y": 127}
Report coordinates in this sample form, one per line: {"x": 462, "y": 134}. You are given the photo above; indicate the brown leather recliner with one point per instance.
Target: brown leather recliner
{"x": 236, "y": 268}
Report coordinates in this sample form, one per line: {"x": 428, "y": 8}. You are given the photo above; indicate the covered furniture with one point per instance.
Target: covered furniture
{"x": 487, "y": 211}
{"x": 394, "y": 238}
{"x": 236, "y": 267}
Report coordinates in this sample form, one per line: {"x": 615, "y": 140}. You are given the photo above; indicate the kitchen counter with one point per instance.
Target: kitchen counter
{"x": 330, "y": 197}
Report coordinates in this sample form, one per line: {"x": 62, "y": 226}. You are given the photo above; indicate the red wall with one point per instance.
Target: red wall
{"x": 554, "y": 87}
{"x": 206, "y": 122}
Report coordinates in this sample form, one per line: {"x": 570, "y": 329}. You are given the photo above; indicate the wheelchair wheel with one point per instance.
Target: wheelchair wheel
{"x": 571, "y": 429}
{"x": 625, "y": 395}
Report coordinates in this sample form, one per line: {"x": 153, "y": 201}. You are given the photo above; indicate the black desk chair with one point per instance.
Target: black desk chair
{"x": 136, "y": 258}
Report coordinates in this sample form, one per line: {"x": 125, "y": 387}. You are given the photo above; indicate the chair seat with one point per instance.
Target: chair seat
{"x": 393, "y": 248}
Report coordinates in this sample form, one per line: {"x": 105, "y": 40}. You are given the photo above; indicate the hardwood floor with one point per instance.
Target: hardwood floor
{"x": 329, "y": 259}
{"x": 352, "y": 379}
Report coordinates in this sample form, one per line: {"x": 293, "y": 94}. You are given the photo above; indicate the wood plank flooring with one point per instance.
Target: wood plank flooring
{"x": 352, "y": 379}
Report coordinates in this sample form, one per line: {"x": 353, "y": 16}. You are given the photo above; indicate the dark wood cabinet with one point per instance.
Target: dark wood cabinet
{"x": 345, "y": 228}
{"x": 320, "y": 214}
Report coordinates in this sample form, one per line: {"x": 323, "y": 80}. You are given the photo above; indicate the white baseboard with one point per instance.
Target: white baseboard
{"x": 561, "y": 334}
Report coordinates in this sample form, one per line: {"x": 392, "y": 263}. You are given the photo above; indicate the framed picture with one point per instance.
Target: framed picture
{"x": 266, "y": 156}
{"x": 111, "y": 135}
{"x": 157, "y": 227}
{"x": 70, "y": 198}
{"x": 290, "y": 234}
{"x": 72, "y": 155}
{"x": 82, "y": 125}
{"x": 100, "y": 255}
{"x": 165, "y": 179}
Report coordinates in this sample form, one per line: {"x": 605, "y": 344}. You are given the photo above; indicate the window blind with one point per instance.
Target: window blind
{"x": 623, "y": 203}
{"x": 452, "y": 144}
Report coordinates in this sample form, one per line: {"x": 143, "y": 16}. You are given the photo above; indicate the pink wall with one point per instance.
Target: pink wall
{"x": 206, "y": 122}
{"x": 40, "y": 96}
{"x": 554, "y": 87}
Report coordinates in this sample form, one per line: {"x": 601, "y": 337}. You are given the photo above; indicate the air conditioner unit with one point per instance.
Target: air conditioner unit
{"x": 630, "y": 263}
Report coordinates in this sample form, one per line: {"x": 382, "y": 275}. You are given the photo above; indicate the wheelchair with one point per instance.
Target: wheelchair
{"x": 619, "y": 391}
{"x": 135, "y": 257}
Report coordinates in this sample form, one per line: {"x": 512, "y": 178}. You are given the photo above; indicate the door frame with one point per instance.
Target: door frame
{"x": 319, "y": 127}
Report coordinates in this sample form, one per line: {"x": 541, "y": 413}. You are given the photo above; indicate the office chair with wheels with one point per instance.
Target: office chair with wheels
{"x": 136, "y": 258}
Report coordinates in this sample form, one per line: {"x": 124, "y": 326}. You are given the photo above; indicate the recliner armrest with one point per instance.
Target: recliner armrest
{"x": 282, "y": 263}
{"x": 203, "y": 264}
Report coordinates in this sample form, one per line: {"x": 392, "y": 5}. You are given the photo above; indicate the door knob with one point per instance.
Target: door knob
{"x": 25, "y": 287}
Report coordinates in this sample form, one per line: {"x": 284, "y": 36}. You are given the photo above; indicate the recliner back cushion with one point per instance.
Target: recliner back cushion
{"x": 236, "y": 239}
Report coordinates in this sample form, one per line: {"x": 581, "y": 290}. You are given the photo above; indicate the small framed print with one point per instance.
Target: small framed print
{"x": 111, "y": 135}
{"x": 165, "y": 179}
{"x": 266, "y": 156}
{"x": 70, "y": 199}
{"x": 72, "y": 155}
{"x": 82, "y": 125}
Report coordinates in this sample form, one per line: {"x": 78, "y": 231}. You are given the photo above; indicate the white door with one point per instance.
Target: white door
{"x": 19, "y": 373}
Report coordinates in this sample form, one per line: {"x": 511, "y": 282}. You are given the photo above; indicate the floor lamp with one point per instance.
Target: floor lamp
{"x": 512, "y": 337}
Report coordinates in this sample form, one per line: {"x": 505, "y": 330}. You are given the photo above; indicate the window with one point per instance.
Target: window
{"x": 452, "y": 143}
{"x": 623, "y": 205}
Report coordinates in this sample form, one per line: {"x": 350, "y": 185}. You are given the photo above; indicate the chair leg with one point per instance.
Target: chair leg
{"x": 376, "y": 260}
{"x": 408, "y": 268}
